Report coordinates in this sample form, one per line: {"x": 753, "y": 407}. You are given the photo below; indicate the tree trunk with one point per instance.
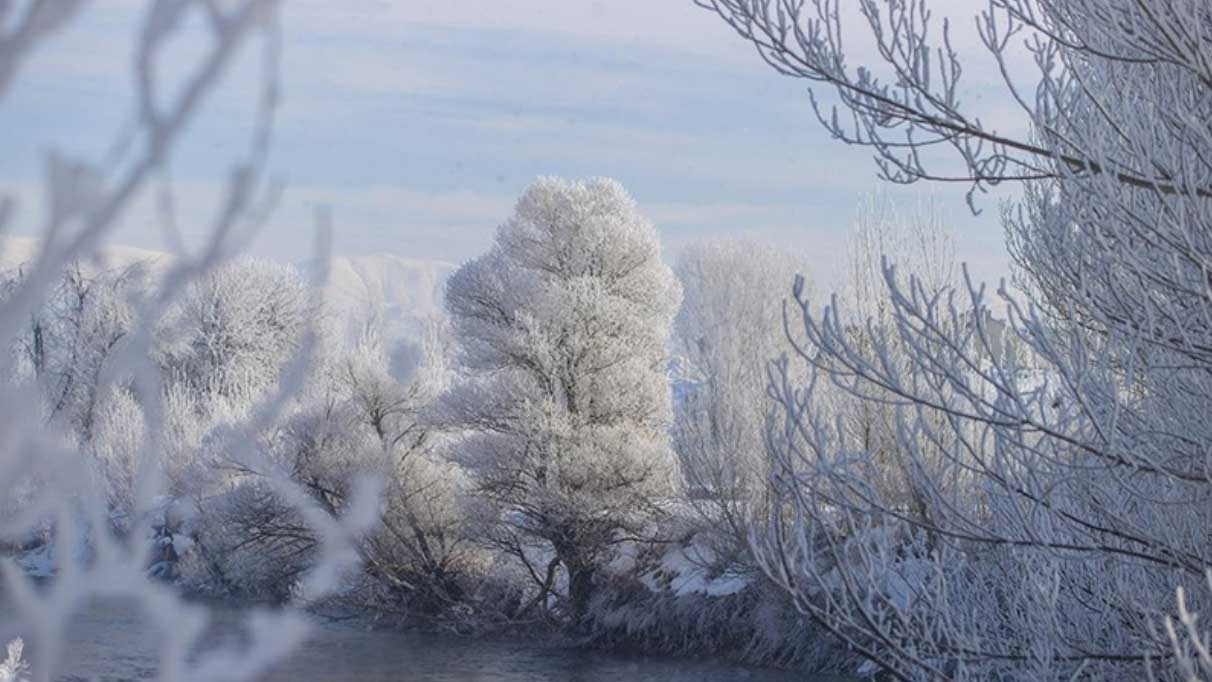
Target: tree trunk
{"x": 580, "y": 589}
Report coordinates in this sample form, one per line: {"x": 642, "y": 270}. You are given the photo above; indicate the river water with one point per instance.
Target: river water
{"x": 108, "y": 644}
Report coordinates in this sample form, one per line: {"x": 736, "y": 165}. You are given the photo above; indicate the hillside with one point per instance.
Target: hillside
{"x": 17, "y": 251}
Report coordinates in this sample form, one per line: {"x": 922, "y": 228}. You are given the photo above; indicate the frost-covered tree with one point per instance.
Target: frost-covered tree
{"x": 1086, "y": 504}
{"x": 220, "y": 351}
{"x": 729, "y": 326}
{"x": 918, "y": 239}
{"x": 236, "y": 328}
{"x": 562, "y": 330}
{"x": 71, "y": 339}
{"x": 423, "y": 555}
{"x": 915, "y": 236}
{"x": 72, "y": 335}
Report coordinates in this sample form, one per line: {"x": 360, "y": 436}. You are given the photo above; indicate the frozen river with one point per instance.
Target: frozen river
{"x": 109, "y": 644}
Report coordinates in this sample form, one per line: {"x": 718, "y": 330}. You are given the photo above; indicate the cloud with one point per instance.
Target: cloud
{"x": 419, "y": 122}
{"x": 626, "y": 23}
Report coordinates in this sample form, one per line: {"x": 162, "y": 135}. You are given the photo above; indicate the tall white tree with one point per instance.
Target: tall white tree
{"x": 1085, "y": 510}
{"x": 729, "y": 327}
{"x": 563, "y": 329}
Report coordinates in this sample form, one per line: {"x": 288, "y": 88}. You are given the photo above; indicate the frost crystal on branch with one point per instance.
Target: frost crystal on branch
{"x": 12, "y": 668}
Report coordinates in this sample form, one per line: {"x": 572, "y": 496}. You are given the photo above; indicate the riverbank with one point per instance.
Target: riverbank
{"x": 675, "y": 610}
{"x": 109, "y": 641}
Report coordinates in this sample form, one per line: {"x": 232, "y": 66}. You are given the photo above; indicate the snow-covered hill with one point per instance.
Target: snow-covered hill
{"x": 18, "y": 251}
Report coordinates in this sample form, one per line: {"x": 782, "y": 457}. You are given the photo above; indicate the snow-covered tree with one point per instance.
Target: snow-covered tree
{"x": 918, "y": 239}
{"x": 729, "y": 326}
{"x": 915, "y": 236}
{"x": 423, "y": 548}
{"x": 71, "y": 336}
{"x": 1085, "y": 512}
{"x": 236, "y": 328}
{"x": 562, "y": 329}
{"x": 69, "y": 341}
{"x": 221, "y": 350}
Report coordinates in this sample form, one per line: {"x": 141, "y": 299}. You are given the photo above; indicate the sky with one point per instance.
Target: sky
{"x": 418, "y": 123}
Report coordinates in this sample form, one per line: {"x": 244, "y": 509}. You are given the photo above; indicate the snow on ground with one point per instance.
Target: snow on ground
{"x": 691, "y": 569}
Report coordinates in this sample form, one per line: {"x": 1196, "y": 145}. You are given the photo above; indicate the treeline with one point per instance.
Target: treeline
{"x": 579, "y": 444}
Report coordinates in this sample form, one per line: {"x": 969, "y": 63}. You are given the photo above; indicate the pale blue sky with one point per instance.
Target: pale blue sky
{"x": 419, "y": 122}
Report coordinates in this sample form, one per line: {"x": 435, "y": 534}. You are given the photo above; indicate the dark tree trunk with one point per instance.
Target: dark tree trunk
{"x": 580, "y": 589}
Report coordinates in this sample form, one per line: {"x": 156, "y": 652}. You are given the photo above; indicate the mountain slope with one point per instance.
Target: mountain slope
{"x": 18, "y": 251}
